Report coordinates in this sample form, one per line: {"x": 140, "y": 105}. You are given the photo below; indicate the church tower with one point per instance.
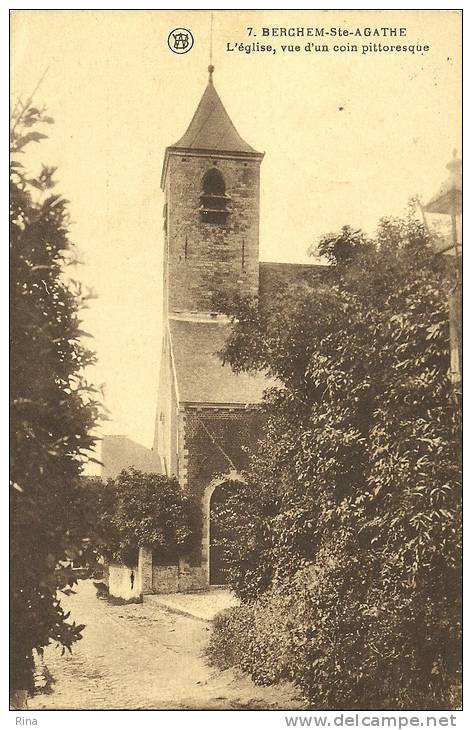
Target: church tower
{"x": 210, "y": 178}
{"x": 207, "y": 415}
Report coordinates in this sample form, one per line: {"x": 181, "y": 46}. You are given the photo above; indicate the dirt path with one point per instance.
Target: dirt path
{"x": 143, "y": 657}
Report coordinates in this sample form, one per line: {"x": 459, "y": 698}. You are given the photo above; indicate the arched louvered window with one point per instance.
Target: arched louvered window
{"x": 214, "y": 201}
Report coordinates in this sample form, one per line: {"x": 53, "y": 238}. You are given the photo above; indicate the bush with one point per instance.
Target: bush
{"x": 134, "y": 510}
{"x": 53, "y": 409}
{"x": 344, "y": 648}
{"x": 350, "y": 563}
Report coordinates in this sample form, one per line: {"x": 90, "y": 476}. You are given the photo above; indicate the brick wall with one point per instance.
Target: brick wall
{"x": 181, "y": 578}
{"x": 204, "y": 257}
{"x": 209, "y": 433}
{"x": 165, "y": 579}
{"x": 178, "y": 579}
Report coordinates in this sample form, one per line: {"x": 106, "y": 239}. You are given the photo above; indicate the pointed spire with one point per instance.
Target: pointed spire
{"x": 211, "y": 127}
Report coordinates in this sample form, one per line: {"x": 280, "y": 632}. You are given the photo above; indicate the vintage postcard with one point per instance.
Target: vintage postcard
{"x": 236, "y": 362}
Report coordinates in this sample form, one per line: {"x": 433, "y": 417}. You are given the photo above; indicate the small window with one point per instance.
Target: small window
{"x": 215, "y": 203}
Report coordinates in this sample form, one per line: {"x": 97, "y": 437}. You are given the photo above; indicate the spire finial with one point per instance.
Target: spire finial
{"x": 211, "y": 68}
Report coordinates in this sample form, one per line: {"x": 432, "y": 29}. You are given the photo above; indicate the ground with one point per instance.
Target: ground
{"x": 146, "y": 656}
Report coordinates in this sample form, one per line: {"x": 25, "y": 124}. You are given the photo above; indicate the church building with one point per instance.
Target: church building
{"x": 206, "y": 414}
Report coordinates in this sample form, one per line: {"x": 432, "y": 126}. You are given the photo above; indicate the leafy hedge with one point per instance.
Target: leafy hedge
{"x": 137, "y": 509}
{"x": 53, "y": 408}
{"x": 345, "y": 649}
{"x": 349, "y": 564}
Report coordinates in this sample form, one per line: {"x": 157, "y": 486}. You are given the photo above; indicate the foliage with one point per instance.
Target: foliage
{"x": 355, "y": 482}
{"x": 137, "y": 509}
{"x": 53, "y": 409}
{"x": 93, "y": 511}
{"x": 239, "y": 530}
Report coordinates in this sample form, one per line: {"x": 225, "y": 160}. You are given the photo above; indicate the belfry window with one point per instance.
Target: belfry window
{"x": 215, "y": 203}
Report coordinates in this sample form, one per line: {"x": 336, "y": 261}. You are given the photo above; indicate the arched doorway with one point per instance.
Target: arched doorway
{"x": 216, "y": 538}
{"x": 218, "y": 552}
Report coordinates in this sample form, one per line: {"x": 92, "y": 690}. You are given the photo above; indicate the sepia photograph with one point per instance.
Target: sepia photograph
{"x": 236, "y": 362}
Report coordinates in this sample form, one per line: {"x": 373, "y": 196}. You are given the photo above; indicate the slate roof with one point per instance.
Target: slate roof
{"x": 120, "y": 452}
{"x": 212, "y": 129}
{"x": 201, "y": 377}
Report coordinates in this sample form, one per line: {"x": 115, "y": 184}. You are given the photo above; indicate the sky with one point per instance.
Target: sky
{"x": 348, "y": 138}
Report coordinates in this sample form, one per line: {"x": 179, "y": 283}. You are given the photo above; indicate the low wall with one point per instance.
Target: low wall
{"x": 192, "y": 579}
{"x": 131, "y": 583}
{"x": 177, "y": 579}
{"x": 165, "y": 578}
{"x": 123, "y": 582}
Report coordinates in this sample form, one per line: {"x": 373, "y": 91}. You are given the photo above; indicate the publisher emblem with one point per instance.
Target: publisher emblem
{"x": 180, "y": 40}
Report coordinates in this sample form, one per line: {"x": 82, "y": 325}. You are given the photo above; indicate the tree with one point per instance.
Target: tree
{"x": 53, "y": 409}
{"x": 151, "y": 509}
{"x": 93, "y": 519}
{"x": 356, "y": 481}
{"x": 137, "y": 509}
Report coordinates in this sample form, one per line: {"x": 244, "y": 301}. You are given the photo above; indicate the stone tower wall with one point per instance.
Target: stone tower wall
{"x": 204, "y": 258}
